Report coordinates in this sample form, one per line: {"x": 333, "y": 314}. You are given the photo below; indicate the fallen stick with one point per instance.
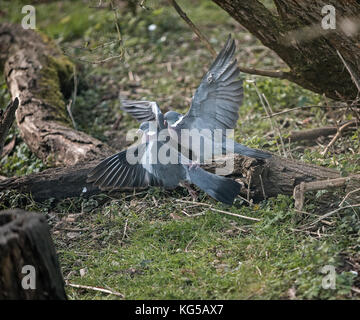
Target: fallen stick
{"x": 299, "y": 190}
{"x": 326, "y": 215}
{"x": 338, "y": 134}
{"x": 221, "y": 211}
{"x": 80, "y": 286}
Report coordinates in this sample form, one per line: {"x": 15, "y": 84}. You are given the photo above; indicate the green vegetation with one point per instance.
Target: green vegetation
{"x": 150, "y": 245}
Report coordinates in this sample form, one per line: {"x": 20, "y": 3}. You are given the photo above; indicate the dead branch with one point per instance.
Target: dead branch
{"x": 103, "y": 290}
{"x": 299, "y": 190}
{"x": 184, "y": 16}
{"x": 338, "y": 134}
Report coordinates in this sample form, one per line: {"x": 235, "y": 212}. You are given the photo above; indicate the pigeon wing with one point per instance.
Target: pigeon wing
{"x": 141, "y": 110}
{"x": 116, "y": 172}
{"x": 216, "y": 102}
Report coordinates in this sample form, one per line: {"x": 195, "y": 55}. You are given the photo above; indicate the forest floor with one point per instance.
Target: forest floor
{"x": 153, "y": 244}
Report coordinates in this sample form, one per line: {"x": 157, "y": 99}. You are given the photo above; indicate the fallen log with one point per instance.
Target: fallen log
{"x": 29, "y": 268}
{"x": 58, "y": 183}
{"x": 39, "y": 74}
{"x": 260, "y": 179}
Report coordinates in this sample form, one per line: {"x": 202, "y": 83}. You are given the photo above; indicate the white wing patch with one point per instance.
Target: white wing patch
{"x": 177, "y": 122}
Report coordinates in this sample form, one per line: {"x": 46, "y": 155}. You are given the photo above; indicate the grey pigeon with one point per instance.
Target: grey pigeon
{"x": 214, "y": 107}
{"x": 117, "y": 172}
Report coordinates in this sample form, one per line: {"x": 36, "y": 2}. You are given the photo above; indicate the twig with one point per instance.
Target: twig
{"x": 314, "y": 215}
{"x": 351, "y": 192}
{"x": 124, "y": 234}
{"x": 190, "y": 242}
{"x": 120, "y": 41}
{"x": 116, "y": 21}
{"x": 262, "y": 186}
{"x": 248, "y": 189}
{"x": 301, "y": 188}
{"x": 258, "y": 270}
{"x": 72, "y": 229}
{"x": 353, "y": 78}
{"x": 276, "y": 125}
{"x": 266, "y": 110}
{"x": 221, "y": 211}
{"x": 68, "y": 108}
{"x": 79, "y": 286}
{"x": 247, "y": 201}
{"x": 193, "y": 27}
{"x": 338, "y": 134}
{"x": 75, "y": 85}
{"x": 334, "y": 211}
{"x": 303, "y": 107}
{"x": 266, "y": 73}
{"x": 72, "y": 101}
{"x": 309, "y": 232}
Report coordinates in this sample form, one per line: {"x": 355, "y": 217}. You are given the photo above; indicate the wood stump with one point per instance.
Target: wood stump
{"x": 29, "y": 268}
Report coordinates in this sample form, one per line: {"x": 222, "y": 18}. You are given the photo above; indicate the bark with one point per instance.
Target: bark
{"x": 6, "y": 121}
{"x": 264, "y": 179}
{"x": 37, "y": 72}
{"x": 278, "y": 176}
{"x": 55, "y": 183}
{"x": 294, "y": 32}
{"x": 25, "y": 240}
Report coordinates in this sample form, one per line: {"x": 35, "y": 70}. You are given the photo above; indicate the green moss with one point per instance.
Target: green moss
{"x": 54, "y": 81}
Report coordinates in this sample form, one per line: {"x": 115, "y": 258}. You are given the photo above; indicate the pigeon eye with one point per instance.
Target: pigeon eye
{"x": 210, "y": 78}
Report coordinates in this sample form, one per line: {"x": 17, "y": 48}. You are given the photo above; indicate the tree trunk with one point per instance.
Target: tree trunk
{"x": 37, "y": 72}
{"x": 29, "y": 268}
{"x": 295, "y": 33}
{"x": 278, "y": 176}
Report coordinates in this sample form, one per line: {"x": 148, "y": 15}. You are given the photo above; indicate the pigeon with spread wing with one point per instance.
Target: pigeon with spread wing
{"x": 214, "y": 107}
{"x": 147, "y": 164}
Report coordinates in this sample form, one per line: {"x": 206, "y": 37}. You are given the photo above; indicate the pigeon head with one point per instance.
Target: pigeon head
{"x": 171, "y": 117}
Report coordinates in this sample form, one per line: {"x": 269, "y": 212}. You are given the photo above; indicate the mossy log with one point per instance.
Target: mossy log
{"x": 259, "y": 179}
{"x": 41, "y": 76}
{"x": 294, "y": 31}
{"x": 6, "y": 121}
{"x": 29, "y": 268}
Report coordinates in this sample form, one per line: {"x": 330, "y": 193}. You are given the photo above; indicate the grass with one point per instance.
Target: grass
{"x": 149, "y": 245}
